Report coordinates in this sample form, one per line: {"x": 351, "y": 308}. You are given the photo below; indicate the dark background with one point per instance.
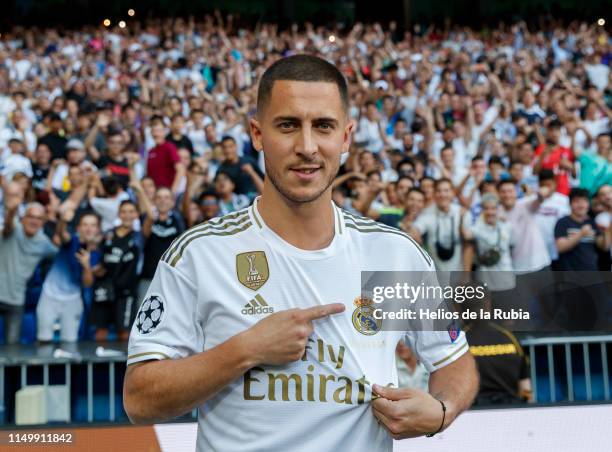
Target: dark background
{"x": 477, "y": 13}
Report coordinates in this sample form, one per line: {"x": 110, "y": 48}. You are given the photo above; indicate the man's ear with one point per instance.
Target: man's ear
{"x": 255, "y": 129}
{"x": 348, "y": 136}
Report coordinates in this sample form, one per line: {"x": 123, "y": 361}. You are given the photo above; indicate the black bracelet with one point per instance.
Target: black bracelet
{"x": 429, "y": 435}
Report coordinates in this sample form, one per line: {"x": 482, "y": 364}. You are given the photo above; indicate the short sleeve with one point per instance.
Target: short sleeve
{"x": 166, "y": 325}
{"x": 436, "y": 349}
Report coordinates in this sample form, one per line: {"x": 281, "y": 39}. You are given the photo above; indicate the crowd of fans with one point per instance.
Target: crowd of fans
{"x": 492, "y": 149}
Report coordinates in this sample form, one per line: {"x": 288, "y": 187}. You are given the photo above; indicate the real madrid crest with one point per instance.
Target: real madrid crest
{"x": 363, "y": 317}
{"x": 252, "y": 269}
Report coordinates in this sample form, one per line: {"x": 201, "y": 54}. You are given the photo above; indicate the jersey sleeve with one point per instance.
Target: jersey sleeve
{"x": 166, "y": 325}
{"x": 436, "y": 349}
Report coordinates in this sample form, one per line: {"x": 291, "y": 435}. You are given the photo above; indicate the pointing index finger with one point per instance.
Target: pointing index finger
{"x": 318, "y": 312}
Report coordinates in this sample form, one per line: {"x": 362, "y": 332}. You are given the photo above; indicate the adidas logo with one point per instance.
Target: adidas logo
{"x": 257, "y": 306}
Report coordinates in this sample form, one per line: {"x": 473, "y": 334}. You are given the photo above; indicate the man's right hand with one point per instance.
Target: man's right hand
{"x": 282, "y": 337}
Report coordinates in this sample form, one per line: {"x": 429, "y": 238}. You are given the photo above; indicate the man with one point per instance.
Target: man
{"x": 176, "y": 135}
{"x": 553, "y": 207}
{"x": 292, "y": 237}
{"x": 115, "y": 288}
{"x": 13, "y": 161}
{"x": 55, "y": 138}
{"x": 551, "y": 155}
{"x": 22, "y": 246}
{"x": 444, "y": 230}
{"x": 115, "y": 162}
{"x": 163, "y": 161}
{"x": 159, "y": 229}
{"x": 577, "y": 236}
{"x": 242, "y": 170}
{"x": 529, "y": 253}
{"x": 71, "y": 272}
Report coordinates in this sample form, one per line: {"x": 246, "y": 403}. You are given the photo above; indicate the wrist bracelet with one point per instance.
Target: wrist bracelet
{"x": 429, "y": 435}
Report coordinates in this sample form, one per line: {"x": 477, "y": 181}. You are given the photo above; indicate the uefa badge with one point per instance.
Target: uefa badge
{"x": 454, "y": 330}
{"x": 363, "y": 317}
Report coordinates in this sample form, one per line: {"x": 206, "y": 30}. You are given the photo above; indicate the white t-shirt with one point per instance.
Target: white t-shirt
{"x": 444, "y": 227}
{"x": 529, "y": 253}
{"x": 551, "y": 210}
{"x": 220, "y": 278}
{"x": 499, "y": 276}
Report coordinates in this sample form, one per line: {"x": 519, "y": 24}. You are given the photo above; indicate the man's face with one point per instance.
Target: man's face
{"x": 554, "y": 134}
{"x": 75, "y": 156}
{"x": 33, "y": 220}
{"x": 479, "y": 167}
{"x": 211, "y": 135}
{"x": 303, "y": 130}
{"x": 447, "y": 156}
{"x": 507, "y": 195}
{"x": 603, "y": 145}
{"x": 177, "y": 125}
{"x": 223, "y": 185}
{"x": 399, "y": 129}
{"x": 549, "y": 184}
{"x": 415, "y": 202}
{"x": 516, "y": 171}
{"x": 443, "y": 194}
{"x": 580, "y": 207}
{"x": 605, "y": 196}
{"x": 75, "y": 176}
{"x": 127, "y": 215}
{"x": 88, "y": 228}
{"x": 489, "y": 212}
{"x": 163, "y": 200}
{"x": 402, "y": 187}
{"x": 159, "y": 133}
{"x": 209, "y": 207}
{"x": 42, "y": 155}
{"x": 115, "y": 145}
{"x": 230, "y": 150}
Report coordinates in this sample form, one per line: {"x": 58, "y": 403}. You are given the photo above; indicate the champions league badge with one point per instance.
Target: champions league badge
{"x": 363, "y": 317}
{"x": 150, "y": 314}
{"x": 454, "y": 330}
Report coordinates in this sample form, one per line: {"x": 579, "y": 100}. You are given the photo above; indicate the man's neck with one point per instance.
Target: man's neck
{"x": 578, "y": 218}
{"x": 308, "y": 226}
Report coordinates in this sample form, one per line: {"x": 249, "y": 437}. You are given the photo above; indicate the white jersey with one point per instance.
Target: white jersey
{"x": 220, "y": 278}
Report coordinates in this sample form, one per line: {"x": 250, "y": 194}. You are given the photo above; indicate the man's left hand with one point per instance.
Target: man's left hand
{"x": 407, "y": 412}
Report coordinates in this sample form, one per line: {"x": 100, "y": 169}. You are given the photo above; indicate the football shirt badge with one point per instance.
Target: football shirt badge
{"x": 252, "y": 269}
{"x": 150, "y": 314}
{"x": 363, "y": 317}
{"x": 454, "y": 330}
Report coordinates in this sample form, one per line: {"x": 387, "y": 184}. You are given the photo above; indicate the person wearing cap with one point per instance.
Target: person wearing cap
{"x": 492, "y": 242}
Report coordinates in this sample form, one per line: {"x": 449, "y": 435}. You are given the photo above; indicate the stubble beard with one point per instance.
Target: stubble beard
{"x": 288, "y": 195}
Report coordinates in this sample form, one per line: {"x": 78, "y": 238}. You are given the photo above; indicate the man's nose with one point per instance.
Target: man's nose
{"x": 306, "y": 142}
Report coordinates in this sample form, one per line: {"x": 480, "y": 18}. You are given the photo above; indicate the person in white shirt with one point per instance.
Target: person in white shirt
{"x": 530, "y": 258}
{"x": 369, "y": 132}
{"x": 444, "y": 228}
{"x": 247, "y": 319}
{"x": 493, "y": 242}
{"x": 552, "y": 208}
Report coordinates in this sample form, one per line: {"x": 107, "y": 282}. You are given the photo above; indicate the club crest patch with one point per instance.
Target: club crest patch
{"x": 150, "y": 314}
{"x": 363, "y": 317}
{"x": 252, "y": 269}
{"x": 454, "y": 330}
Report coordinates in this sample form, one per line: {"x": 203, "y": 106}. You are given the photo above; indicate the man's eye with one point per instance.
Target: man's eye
{"x": 286, "y": 125}
{"x": 325, "y": 126}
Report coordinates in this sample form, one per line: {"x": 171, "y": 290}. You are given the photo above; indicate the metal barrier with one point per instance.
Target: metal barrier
{"x": 539, "y": 344}
{"x": 80, "y": 361}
